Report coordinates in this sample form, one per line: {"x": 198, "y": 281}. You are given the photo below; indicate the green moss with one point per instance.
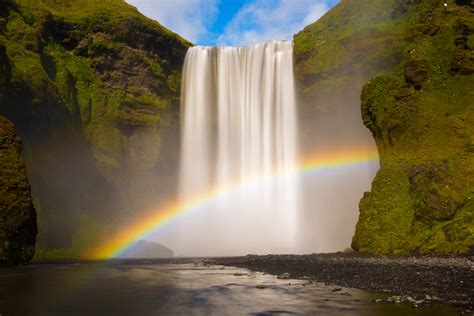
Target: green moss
{"x": 17, "y": 215}
{"x": 89, "y": 74}
{"x": 356, "y": 39}
{"x": 421, "y": 116}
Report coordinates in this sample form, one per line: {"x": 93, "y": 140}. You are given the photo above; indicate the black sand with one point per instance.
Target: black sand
{"x": 415, "y": 280}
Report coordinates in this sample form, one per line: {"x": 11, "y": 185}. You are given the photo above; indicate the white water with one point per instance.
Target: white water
{"x": 238, "y": 120}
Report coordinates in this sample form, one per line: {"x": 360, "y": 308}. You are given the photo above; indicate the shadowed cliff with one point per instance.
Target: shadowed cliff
{"x": 92, "y": 88}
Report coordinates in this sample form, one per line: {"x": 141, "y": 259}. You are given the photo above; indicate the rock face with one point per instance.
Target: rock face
{"x": 148, "y": 249}
{"x": 17, "y": 214}
{"x": 92, "y": 88}
{"x": 421, "y": 114}
{"x": 334, "y": 59}
{"x": 418, "y": 105}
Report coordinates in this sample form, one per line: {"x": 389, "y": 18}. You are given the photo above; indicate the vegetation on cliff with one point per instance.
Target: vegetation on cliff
{"x": 92, "y": 88}
{"x": 334, "y": 58}
{"x": 422, "y": 117}
{"x": 17, "y": 214}
{"x": 418, "y": 108}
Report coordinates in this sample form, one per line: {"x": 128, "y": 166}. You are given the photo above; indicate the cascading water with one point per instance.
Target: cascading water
{"x": 239, "y": 129}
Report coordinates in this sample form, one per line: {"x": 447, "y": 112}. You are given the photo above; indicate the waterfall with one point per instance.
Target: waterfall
{"x": 238, "y": 123}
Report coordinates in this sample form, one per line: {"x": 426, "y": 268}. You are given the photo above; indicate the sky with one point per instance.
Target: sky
{"x": 234, "y": 22}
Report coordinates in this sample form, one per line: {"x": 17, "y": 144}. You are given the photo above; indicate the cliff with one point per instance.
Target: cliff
{"x": 417, "y": 59}
{"x": 17, "y": 214}
{"x": 334, "y": 58}
{"x": 92, "y": 88}
{"x": 422, "y": 117}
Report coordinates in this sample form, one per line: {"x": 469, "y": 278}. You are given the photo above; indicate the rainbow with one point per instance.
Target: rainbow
{"x": 175, "y": 210}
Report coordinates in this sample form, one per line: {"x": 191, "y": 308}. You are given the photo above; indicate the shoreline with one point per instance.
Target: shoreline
{"x": 413, "y": 280}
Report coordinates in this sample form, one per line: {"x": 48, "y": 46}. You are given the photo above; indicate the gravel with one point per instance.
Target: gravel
{"x": 416, "y": 280}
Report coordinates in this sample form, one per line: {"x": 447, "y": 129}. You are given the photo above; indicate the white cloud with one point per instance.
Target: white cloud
{"x": 189, "y": 18}
{"x": 263, "y": 20}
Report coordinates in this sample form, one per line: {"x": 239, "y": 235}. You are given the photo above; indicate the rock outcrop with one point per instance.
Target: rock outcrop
{"x": 17, "y": 214}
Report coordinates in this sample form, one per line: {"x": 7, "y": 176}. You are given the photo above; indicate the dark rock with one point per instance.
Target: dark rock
{"x": 463, "y": 57}
{"x": 437, "y": 197}
{"x": 416, "y": 72}
{"x": 465, "y": 3}
{"x": 17, "y": 214}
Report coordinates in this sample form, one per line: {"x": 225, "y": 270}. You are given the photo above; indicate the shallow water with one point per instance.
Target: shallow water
{"x": 140, "y": 287}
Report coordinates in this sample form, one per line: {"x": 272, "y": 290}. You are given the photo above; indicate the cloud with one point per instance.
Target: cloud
{"x": 191, "y": 19}
{"x": 263, "y": 20}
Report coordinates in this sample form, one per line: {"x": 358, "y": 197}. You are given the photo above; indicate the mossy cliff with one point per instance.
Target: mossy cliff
{"x": 17, "y": 214}
{"x": 418, "y": 105}
{"x": 92, "y": 88}
{"x": 422, "y": 117}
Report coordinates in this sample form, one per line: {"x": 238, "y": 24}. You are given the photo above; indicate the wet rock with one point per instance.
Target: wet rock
{"x": 240, "y": 274}
{"x": 261, "y": 286}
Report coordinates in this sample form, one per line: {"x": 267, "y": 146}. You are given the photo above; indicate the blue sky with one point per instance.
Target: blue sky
{"x": 234, "y": 22}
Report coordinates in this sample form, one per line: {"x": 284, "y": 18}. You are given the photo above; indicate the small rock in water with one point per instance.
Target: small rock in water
{"x": 240, "y": 274}
{"x": 337, "y": 289}
{"x": 260, "y": 286}
{"x": 284, "y": 276}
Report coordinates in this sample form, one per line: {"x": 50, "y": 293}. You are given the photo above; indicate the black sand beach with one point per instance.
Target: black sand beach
{"x": 412, "y": 280}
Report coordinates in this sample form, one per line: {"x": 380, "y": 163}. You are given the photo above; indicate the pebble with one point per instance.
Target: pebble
{"x": 284, "y": 276}
{"x": 427, "y": 279}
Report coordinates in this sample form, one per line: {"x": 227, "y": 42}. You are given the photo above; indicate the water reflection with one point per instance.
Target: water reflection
{"x": 152, "y": 288}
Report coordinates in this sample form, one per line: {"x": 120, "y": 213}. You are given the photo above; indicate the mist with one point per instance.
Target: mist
{"x": 328, "y": 200}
